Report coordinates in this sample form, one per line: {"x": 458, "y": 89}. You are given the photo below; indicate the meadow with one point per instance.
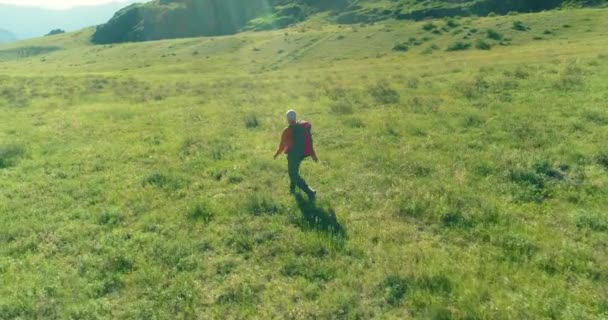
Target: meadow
{"x": 463, "y": 173}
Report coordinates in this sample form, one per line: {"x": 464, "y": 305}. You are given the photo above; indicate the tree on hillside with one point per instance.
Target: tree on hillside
{"x": 54, "y": 32}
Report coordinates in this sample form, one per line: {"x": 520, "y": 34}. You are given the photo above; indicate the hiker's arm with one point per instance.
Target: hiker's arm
{"x": 282, "y": 145}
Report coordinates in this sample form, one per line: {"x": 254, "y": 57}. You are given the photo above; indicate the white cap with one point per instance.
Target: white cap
{"x": 291, "y": 115}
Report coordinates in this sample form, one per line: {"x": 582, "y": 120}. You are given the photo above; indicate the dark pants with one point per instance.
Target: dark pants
{"x": 293, "y": 167}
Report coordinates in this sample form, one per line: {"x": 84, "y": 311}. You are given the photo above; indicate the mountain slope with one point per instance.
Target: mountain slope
{"x": 166, "y": 19}
{"x": 30, "y": 22}
{"x": 163, "y": 19}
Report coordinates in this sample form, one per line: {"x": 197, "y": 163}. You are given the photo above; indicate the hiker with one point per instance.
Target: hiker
{"x": 296, "y": 142}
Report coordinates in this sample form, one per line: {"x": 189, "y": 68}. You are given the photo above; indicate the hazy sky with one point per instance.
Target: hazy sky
{"x": 56, "y": 4}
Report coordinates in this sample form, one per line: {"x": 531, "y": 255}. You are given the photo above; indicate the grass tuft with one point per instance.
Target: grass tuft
{"x": 10, "y": 155}
{"x": 341, "y": 107}
{"x": 251, "y": 121}
{"x": 383, "y": 93}
{"x": 394, "y": 289}
{"x": 202, "y": 211}
{"x": 592, "y": 221}
{"x": 260, "y": 205}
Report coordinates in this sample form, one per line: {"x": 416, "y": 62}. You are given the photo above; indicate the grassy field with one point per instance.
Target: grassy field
{"x": 463, "y": 173}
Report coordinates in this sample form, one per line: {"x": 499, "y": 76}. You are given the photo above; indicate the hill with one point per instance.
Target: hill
{"x": 463, "y": 173}
{"x": 6, "y": 36}
{"x": 167, "y": 19}
{"x": 29, "y": 22}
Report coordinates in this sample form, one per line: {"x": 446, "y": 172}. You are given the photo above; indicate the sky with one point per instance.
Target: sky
{"x": 56, "y": 4}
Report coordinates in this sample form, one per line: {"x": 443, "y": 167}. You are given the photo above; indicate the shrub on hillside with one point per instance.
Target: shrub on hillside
{"x": 602, "y": 159}
{"x": 452, "y": 23}
{"x": 110, "y": 217}
{"x": 482, "y": 45}
{"x": 414, "y": 41}
{"x": 431, "y": 49}
{"x": 494, "y": 35}
{"x": 10, "y": 154}
{"x": 533, "y": 183}
{"x": 395, "y": 288}
{"x": 429, "y": 26}
{"x": 402, "y": 46}
{"x": 505, "y": 42}
{"x": 520, "y": 26}
{"x": 384, "y": 94}
{"x": 459, "y": 46}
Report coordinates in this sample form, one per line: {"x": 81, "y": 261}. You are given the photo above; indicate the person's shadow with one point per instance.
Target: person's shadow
{"x": 322, "y": 219}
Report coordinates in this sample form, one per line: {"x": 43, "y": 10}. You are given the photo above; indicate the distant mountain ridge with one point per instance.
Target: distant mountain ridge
{"x": 166, "y": 19}
{"x": 29, "y": 22}
{"x": 7, "y": 36}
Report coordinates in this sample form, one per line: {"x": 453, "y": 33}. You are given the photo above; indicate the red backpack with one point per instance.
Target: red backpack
{"x": 306, "y": 137}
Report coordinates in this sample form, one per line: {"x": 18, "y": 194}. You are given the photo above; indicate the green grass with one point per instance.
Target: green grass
{"x": 137, "y": 180}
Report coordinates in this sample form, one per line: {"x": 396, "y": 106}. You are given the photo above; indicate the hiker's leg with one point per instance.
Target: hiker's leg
{"x": 292, "y": 169}
{"x": 294, "y": 174}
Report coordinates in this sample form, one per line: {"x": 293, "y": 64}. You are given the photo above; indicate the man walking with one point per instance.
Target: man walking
{"x": 296, "y": 142}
